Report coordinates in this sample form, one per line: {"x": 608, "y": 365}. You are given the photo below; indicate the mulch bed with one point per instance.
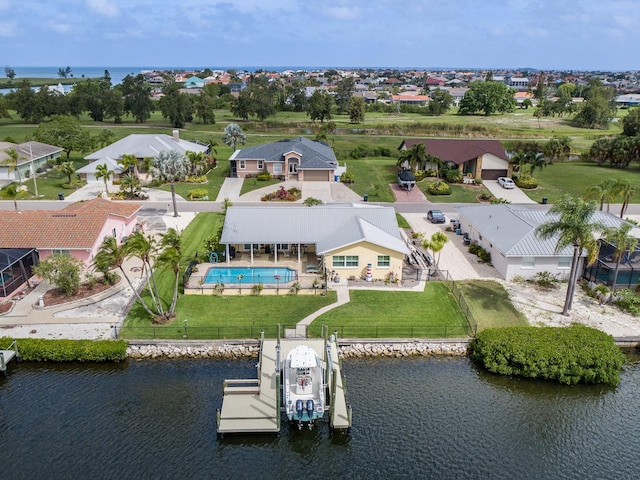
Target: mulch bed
{"x": 5, "y": 307}
{"x": 55, "y": 296}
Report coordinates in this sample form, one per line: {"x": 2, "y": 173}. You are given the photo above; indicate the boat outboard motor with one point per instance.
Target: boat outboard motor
{"x": 310, "y": 409}
{"x": 299, "y": 408}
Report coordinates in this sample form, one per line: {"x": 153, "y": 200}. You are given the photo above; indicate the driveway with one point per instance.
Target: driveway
{"x": 513, "y": 195}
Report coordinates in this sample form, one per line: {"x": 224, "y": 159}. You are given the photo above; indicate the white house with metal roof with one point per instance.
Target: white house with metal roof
{"x": 340, "y": 238}
{"x": 32, "y": 156}
{"x": 508, "y": 232}
{"x": 298, "y": 159}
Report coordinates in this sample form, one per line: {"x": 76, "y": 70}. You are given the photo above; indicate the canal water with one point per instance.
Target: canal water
{"x": 414, "y": 418}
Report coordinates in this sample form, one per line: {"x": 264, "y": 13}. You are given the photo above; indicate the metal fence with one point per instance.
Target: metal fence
{"x": 464, "y": 307}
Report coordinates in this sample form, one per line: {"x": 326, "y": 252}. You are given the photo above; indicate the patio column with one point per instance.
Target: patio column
{"x": 299, "y": 254}
{"x": 275, "y": 253}
{"x": 252, "y": 253}
{"x": 226, "y": 253}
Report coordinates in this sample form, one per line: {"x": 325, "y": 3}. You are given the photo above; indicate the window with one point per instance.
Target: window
{"x": 277, "y": 168}
{"x": 384, "y": 260}
{"x": 260, "y": 165}
{"x": 242, "y": 164}
{"x": 345, "y": 261}
{"x": 564, "y": 262}
{"x": 528, "y": 262}
{"x": 293, "y": 168}
{"x": 115, "y": 234}
{"x": 61, "y": 252}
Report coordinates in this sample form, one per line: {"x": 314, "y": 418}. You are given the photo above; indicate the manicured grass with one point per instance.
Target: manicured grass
{"x": 575, "y": 178}
{"x": 459, "y": 193}
{"x": 373, "y": 176}
{"x": 432, "y": 313}
{"x": 490, "y": 304}
{"x": 251, "y": 184}
{"x": 402, "y": 222}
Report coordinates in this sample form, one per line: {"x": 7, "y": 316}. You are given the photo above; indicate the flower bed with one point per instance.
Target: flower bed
{"x": 283, "y": 195}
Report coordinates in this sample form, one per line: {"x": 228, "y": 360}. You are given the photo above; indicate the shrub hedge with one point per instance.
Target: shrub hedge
{"x": 526, "y": 182}
{"x": 439, "y": 188}
{"x": 44, "y": 350}
{"x": 565, "y": 354}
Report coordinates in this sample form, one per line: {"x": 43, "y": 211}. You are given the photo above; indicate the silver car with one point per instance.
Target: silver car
{"x": 506, "y": 182}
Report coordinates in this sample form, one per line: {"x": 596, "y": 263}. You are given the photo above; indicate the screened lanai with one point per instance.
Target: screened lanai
{"x": 15, "y": 268}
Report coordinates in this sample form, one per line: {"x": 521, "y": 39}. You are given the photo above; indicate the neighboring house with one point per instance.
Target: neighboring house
{"x": 88, "y": 172}
{"x": 509, "y": 234}
{"x": 31, "y": 157}
{"x": 484, "y": 159}
{"x": 194, "y": 82}
{"x": 409, "y": 99}
{"x": 78, "y": 229}
{"x": 338, "y": 238}
{"x": 628, "y": 100}
{"x": 142, "y": 146}
{"x": 298, "y": 159}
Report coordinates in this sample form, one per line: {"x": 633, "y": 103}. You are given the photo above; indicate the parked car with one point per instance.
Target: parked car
{"x": 436, "y": 216}
{"x": 506, "y": 182}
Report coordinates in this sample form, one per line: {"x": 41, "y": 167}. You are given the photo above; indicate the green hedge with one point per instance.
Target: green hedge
{"x": 43, "y": 350}
{"x": 439, "y": 188}
{"x": 526, "y": 182}
{"x": 565, "y": 354}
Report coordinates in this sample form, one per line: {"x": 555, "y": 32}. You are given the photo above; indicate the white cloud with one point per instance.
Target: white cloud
{"x": 7, "y": 29}
{"x": 104, "y": 7}
{"x": 60, "y": 27}
{"x": 342, "y": 13}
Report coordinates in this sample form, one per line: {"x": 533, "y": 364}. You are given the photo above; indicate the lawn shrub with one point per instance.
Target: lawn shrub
{"x": 570, "y": 355}
{"x": 198, "y": 193}
{"x": 348, "y": 178}
{"x": 546, "y": 280}
{"x": 196, "y": 179}
{"x": 453, "y": 176}
{"x": 526, "y": 182}
{"x": 439, "y": 188}
{"x": 44, "y": 350}
{"x": 263, "y": 176}
{"x": 627, "y": 300}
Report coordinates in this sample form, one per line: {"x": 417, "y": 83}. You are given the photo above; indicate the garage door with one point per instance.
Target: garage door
{"x": 493, "y": 174}
{"x": 316, "y": 175}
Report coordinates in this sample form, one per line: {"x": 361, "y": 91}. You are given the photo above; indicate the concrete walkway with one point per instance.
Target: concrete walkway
{"x": 301, "y": 327}
{"x": 230, "y": 189}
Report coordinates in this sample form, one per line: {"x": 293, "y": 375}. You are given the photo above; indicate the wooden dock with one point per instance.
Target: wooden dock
{"x": 7, "y": 355}
{"x": 254, "y": 405}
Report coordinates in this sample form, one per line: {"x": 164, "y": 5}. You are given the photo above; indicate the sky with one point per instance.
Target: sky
{"x": 478, "y": 34}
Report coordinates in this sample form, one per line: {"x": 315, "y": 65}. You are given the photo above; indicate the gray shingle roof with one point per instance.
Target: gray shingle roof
{"x": 313, "y": 155}
{"x": 145, "y": 146}
{"x": 328, "y": 226}
{"x": 511, "y": 229}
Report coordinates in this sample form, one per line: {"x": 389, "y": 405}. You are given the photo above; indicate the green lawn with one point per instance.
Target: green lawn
{"x": 490, "y": 304}
{"x": 433, "y": 313}
{"x": 215, "y": 179}
{"x": 575, "y": 178}
{"x": 251, "y": 184}
{"x": 373, "y": 176}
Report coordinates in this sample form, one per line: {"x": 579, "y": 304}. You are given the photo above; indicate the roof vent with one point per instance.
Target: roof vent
{"x": 176, "y": 135}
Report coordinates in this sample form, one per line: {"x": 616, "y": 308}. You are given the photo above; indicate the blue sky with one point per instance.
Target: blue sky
{"x": 545, "y": 34}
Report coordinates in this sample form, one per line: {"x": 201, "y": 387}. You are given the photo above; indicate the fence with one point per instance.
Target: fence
{"x": 464, "y": 307}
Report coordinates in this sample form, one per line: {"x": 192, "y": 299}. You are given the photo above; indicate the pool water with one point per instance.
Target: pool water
{"x": 250, "y": 275}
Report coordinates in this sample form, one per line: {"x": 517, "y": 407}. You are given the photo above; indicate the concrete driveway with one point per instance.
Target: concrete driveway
{"x": 513, "y": 195}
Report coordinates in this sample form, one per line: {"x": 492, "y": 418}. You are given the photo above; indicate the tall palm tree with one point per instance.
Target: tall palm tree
{"x": 571, "y": 219}
{"x": 130, "y": 183}
{"x": 68, "y": 169}
{"x": 12, "y": 192}
{"x": 170, "y": 166}
{"x": 536, "y": 160}
{"x": 102, "y": 171}
{"x": 436, "y": 244}
{"x": 129, "y": 163}
{"x": 196, "y": 162}
{"x": 144, "y": 248}
{"x": 170, "y": 258}
{"x": 13, "y": 163}
{"x": 603, "y": 192}
{"x": 415, "y": 157}
{"x": 623, "y": 243}
{"x": 111, "y": 255}
{"x": 626, "y": 190}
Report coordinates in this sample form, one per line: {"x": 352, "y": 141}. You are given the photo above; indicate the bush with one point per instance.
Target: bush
{"x": 453, "y": 176}
{"x": 564, "y": 354}
{"x": 310, "y": 201}
{"x": 546, "y": 280}
{"x": 44, "y": 350}
{"x": 526, "y": 182}
{"x": 263, "y": 176}
{"x": 627, "y": 300}
{"x": 347, "y": 177}
{"x": 197, "y": 179}
{"x": 439, "y": 188}
{"x": 477, "y": 181}
{"x": 198, "y": 193}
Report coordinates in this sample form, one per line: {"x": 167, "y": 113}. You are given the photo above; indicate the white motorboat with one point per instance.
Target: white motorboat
{"x": 303, "y": 386}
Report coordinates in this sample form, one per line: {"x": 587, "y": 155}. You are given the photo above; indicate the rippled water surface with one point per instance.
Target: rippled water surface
{"x": 413, "y": 418}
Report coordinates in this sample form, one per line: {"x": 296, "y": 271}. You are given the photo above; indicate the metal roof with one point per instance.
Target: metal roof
{"x": 145, "y": 146}
{"x": 512, "y": 229}
{"x": 328, "y": 226}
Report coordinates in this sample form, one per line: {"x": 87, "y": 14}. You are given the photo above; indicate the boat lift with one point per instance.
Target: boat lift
{"x": 7, "y": 355}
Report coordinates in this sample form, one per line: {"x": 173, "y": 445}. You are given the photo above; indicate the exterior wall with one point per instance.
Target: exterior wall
{"x": 542, "y": 264}
{"x": 251, "y": 167}
{"x": 367, "y": 253}
{"x": 83, "y": 255}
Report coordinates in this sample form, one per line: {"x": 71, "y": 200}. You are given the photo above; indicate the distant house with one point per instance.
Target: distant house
{"x": 484, "y": 159}
{"x": 194, "y": 82}
{"x": 31, "y": 157}
{"x": 508, "y": 232}
{"x": 410, "y": 99}
{"x": 298, "y": 159}
{"x": 78, "y": 229}
{"x": 141, "y": 146}
{"x": 339, "y": 238}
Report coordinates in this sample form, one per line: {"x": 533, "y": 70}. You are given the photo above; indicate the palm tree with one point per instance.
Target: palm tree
{"x": 415, "y": 157}
{"x": 129, "y": 163}
{"x": 111, "y": 255}
{"x": 144, "y": 247}
{"x": 233, "y": 135}
{"x": 68, "y": 169}
{"x": 196, "y": 161}
{"x": 171, "y": 258}
{"x": 536, "y": 160}
{"x": 571, "y": 219}
{"x": 130, "y": 183}
{"x": 12, "y": 192}
{"x": 102, "y": 171}
{"x": 603, "y": 192}
{"x": 170, "y": 166}
{"x": 13, "y": 163}
{"x": 623, "y": 243}
{"x": 519, "y": 159}
{"x": 435, "y": 244}
{"x": 626, "y": 190}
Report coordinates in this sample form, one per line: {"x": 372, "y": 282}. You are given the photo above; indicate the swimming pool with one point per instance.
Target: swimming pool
{"x": 250, "y": 275}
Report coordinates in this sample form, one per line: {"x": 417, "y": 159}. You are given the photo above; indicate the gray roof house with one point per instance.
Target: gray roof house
{"x": 508, "y": 232}
{"x": 31, "y": 156}
{"x": 298, "y": 159}
{"x": 346, "y": 237}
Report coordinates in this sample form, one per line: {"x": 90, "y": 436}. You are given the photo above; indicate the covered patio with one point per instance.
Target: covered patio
{"x": 603, "y": 269}
{"x": 15, "y": 268}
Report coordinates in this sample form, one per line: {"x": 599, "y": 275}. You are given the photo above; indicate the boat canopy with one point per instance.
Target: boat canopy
{"x": 303, "y": 357}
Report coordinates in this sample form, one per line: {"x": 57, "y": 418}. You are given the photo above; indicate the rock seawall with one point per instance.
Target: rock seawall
{"x": 351, "y": 350}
